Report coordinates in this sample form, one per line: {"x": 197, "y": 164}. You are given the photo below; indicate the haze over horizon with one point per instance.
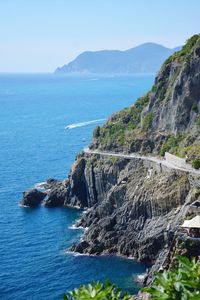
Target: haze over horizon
{"x": 39, "y": 37}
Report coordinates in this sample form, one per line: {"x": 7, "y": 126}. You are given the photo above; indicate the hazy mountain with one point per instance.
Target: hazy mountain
{"x": 146, "y": 58}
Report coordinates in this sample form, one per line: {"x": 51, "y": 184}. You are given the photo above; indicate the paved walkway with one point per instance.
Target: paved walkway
{"x": 157, "y": 160}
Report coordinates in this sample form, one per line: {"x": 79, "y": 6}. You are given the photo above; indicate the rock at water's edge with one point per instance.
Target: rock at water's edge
{"x": 32, "y": 198}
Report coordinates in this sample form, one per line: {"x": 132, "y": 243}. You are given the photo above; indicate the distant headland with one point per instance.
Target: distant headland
{"x": 145, "y": 58}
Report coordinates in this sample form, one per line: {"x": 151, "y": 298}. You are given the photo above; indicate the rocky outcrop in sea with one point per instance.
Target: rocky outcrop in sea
{"x": 32, "y": 198}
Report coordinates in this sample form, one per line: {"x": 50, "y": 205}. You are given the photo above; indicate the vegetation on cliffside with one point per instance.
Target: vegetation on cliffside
{"x": 167, "y": 117}
{"x": 124, "y": 125}
{"x": 186, "y": 51}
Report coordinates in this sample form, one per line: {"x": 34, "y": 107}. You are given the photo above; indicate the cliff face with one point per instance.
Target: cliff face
{"x": 175, "y": 102}
{"x": 167, "y": 118}
{"x": 135, "y": 206}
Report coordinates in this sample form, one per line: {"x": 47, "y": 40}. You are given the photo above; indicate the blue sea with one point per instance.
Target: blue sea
{"x": 34, "y": 145}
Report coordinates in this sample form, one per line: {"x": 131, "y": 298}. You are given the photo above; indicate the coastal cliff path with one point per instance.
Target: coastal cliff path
{"x": 155, "y": 159}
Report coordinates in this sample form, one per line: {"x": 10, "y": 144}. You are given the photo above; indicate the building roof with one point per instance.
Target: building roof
{"x": 193, "y": 223}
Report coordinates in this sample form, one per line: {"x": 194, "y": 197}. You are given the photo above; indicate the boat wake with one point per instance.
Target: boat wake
{"x": 75, "y": 125}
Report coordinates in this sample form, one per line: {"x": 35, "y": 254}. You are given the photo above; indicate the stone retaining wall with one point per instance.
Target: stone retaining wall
{"x": 177, "y": 161}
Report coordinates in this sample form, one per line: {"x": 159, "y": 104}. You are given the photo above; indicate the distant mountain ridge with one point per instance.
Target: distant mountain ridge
{"x": 145, "y": 58}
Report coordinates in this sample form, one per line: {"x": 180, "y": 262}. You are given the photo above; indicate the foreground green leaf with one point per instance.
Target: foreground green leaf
{"x": 180, "y": 283}
{"x": 97, "y": 291}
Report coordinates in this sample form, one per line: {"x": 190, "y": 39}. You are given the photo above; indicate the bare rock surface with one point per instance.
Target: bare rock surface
{"x": 32, "y": 198}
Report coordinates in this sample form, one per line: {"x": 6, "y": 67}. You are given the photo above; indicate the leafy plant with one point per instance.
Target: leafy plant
{"x": 96, "y": 132}
{"x": 196, "y": 163}
{"x": 154, "y": 88}
{"x": 198, "y": 121}
{"x": 142, "y": 102}
{"x": 168, "y": 145}
{"x": 171, "y": 145}
{"x": 122, "y": 124}
{"x": 97, "y": 291}
{"x": 186, "y": 50}
{"x": 112, "y": 160}
{"x": 180, "y": 283}
{"x": 147, "y": 121}
{"x": 195, "y": 108}
{"x": 193, "y": 152}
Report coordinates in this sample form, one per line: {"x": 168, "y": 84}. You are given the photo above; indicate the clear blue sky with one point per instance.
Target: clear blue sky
{"x": 39, "y": 35}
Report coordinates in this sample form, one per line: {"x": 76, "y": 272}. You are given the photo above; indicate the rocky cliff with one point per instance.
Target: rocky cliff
{"x": 134, "y": 207}
{"x": 167, "y": 118}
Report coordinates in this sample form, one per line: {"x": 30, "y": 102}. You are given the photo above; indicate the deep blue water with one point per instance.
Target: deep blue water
{"x": 34, "y": 110}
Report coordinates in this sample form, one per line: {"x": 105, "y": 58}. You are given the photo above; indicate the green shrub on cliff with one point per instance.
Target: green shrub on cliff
{"x": 180, "y": 283}
{"x": 97, "y": 291}
{"x": 171, "y": 144}
{"x": 186, "y": 50}
{"x": 198, "y": 121}
{"x": 193, "y": 151}
{"x": 196, "y": 164}
{"x": 123, "y": 124}
{"x": 147, "y": 121}
{"x": 96, "y": 132}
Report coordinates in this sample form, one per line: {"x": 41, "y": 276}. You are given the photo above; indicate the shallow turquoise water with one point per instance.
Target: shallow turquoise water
{"x": 34, "y": 145}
